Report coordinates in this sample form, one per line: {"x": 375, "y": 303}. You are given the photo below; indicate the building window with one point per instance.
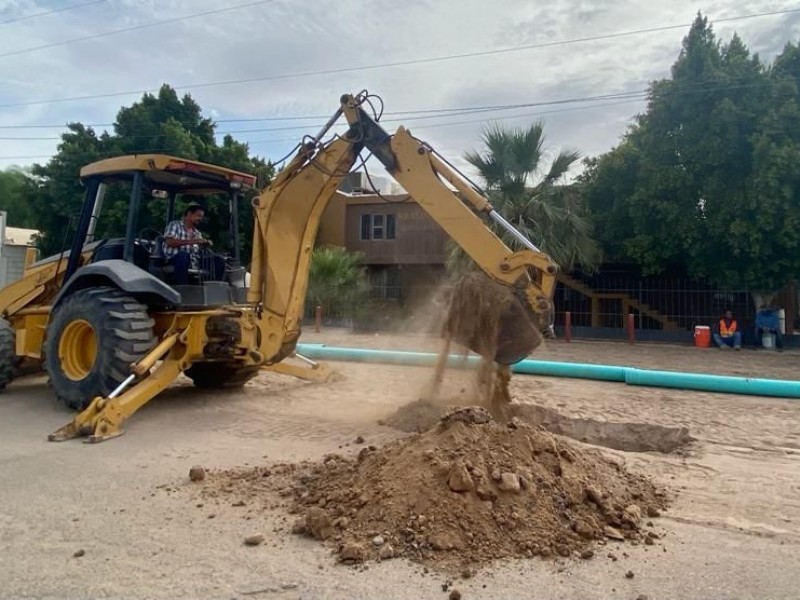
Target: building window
{"x": 377, "y": 227}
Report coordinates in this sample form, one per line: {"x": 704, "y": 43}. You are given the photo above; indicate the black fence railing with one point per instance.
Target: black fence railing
{"x": 665, "y": 309}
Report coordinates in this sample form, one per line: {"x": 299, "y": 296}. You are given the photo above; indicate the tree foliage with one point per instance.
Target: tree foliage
{"x": 12, "y": 199}
{"x": 162, "y": 123}
{"x": 706, "y": 180}
{"x": 525, "y": 191}
{"x": 336, "y": 280}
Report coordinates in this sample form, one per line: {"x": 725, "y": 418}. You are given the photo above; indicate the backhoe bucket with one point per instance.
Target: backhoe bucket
{"x": 489, "y": 319}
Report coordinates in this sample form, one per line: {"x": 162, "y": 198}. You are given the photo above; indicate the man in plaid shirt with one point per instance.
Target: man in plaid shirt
{"x": 182, "y": 243}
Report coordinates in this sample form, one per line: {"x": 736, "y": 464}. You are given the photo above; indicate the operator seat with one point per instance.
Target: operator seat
{"x": 163, "y": 270}
{"x": 114, "y": 248}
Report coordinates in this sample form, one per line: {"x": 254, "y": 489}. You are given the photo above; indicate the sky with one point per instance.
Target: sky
{"x": 50, "y": 74}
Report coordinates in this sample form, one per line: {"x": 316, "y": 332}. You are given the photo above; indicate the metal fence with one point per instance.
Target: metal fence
{"x": 663, "y": 308}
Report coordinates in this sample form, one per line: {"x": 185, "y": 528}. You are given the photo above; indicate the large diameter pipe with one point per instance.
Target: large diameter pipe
{"x": 629, "y": 375}
{"x": 526, "y": 367}
{"x": 713, "y": 383}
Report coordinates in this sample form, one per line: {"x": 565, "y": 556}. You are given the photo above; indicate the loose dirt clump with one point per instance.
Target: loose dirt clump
{"x": 467, "y": 492}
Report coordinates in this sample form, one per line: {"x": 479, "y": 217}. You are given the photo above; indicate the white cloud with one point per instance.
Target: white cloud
{"x": 287, "y": 36}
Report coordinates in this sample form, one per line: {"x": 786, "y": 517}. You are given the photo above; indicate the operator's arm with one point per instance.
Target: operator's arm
{"x": 173, "y": 239}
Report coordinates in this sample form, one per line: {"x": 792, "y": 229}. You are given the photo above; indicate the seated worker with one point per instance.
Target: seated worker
{"x": 182, "y": 242}
{"x": 767, "y": 321}
{"x": 727, "y": 334}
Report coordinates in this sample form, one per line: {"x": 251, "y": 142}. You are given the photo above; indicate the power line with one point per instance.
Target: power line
{"x": 135, "y": 28}
{"x": 505, "y": 118}
{"x": 294, "y": 139}
{"x": 622, "y": 98}
{"x": 431, "y": 113}
{"x": 51, "y": 12}
{"x": 396, "y": 63}
{"x": 437, "y": 114}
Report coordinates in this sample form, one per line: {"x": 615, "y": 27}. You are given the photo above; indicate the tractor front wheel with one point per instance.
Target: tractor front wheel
{"x": 94, "y": 337}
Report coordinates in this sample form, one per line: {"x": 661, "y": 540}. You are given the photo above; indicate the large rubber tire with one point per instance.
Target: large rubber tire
{"x": 215, "y": 376}
{"x": 8, "y": 354}
{"x": 91, "y": 341}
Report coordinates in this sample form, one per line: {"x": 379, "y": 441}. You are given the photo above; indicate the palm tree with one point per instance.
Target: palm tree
{"x": 336, "y": 281}
{"x": 512, "y": 168}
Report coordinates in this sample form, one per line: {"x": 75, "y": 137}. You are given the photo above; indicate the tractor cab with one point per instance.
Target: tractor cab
{"x": 155, "y": 188}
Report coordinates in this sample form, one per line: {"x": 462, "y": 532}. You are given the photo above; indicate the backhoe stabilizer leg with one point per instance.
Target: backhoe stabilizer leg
{"x": 81, "y": 425}
{"x": 103, "y": 418}
{"x": 314, "y": 371}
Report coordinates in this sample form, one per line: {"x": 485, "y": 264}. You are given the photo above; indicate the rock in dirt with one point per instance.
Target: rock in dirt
{"x": 197, "y": 473}
{"x": 318, "y": 524}
{"x": 254, "y": 540}
{"x": 652, "y": 512}
{"x": 79, "y": 553}
{"x": 377, "y": 541}
{"x": 454, "y": 595}
{"x": 632, "y": 516}
{"x": 459, "y": 479}
{"x": 386, "y": 552}
{"x": 299, "y": 527}
{"x": 613, "y": 534}
{"x": 629, "y": 574}
{"x": 509, "y": 482}
{"x": 353, "y": 552}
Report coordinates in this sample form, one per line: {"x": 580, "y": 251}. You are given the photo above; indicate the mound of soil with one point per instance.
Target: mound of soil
{"x": 462, "y": 494}
{"x": 424, "y": 414}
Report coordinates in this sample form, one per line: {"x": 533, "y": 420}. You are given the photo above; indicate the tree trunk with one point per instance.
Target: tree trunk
{"x": 762, "y": 298}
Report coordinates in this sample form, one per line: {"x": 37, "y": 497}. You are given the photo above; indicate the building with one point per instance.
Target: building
{"x": 403, "y": 249}
{"x": 17, "y": 245}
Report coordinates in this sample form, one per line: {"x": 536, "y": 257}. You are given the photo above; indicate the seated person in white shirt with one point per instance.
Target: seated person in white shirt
{"x": 182, "y": 242}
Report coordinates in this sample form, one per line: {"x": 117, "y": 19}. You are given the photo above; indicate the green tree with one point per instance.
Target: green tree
{"x": 705, "y": 180}
{"x": 161, "y": 123}
{"x": 12, "y": 197}
{"x": 53, "y": 191}
{"x": 525, "y": 191}
{"x": 336, "y": 281}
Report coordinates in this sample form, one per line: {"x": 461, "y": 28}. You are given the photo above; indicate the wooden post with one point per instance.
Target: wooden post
{"x": 568, "y": 326}
{"x": 631, "y": 328}
{"x": 318, "y": 318}
{"x": 595, "y": 311}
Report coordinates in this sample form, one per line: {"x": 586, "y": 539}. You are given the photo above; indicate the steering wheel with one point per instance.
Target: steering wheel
{"x": 148, "y": 241}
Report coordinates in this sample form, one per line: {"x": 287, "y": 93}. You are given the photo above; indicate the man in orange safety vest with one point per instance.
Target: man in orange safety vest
{"x": 727, "y": 334}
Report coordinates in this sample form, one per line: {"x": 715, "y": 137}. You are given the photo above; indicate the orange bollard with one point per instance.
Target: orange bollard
{"x": 631, "y": 329}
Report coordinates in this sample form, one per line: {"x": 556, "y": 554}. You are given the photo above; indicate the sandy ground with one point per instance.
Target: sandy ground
{"x": 734, "y": 531}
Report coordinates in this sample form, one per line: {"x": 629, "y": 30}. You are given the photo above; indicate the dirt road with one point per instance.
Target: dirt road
{"x": 733, "y": 533}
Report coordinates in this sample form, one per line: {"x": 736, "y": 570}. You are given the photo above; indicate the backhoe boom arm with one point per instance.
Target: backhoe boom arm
{"x": 289, "y": 211}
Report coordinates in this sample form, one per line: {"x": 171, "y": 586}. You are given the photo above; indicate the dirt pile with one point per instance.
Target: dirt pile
{"x": 421, "y": 415}
{"x": 464, "y": 493}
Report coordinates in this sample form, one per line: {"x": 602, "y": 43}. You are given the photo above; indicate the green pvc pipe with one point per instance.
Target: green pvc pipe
{"x": 629, "y": 375}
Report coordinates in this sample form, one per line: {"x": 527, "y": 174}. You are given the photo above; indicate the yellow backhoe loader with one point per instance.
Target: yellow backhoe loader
{"x": 111, "y": 328}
